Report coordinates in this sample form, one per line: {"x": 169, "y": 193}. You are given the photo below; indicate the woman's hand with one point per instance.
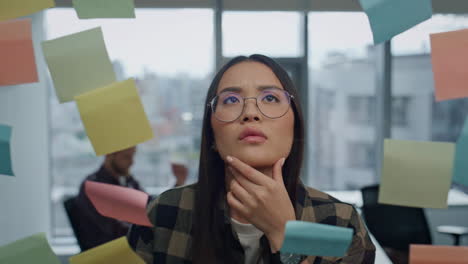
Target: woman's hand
{"x": 261, "y": 200}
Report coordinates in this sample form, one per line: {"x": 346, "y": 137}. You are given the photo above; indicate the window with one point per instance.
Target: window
{"x": 428, "y": 120}
{"x": 275, "y": 34}
{"x": 341, "y": 99}
{"x": 172, "y": 60}
{"x": 400, "y": 111}
{"x": 413, "y": 80}
{"x": 361, "y": 155}
{"x": 361, "y": 110}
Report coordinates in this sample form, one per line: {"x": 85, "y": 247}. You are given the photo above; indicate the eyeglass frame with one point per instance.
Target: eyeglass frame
{"x": 289, "y": 96}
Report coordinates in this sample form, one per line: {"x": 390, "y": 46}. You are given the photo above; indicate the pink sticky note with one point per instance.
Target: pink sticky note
{"x": 449, "y": 64}
{"x": 118, "y": 202}
{"x": 17, "y": 63}
{"x": 427, "y": 254}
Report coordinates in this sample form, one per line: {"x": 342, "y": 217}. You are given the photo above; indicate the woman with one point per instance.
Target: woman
{"x": 248, "y": 187}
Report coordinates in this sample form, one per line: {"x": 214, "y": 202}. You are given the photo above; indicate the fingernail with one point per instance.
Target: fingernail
{"x": 229, "y": 158}
{"x": 282, "y": 162}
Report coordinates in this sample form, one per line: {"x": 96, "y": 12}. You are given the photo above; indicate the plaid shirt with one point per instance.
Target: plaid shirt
{"x": 171, "y": 213}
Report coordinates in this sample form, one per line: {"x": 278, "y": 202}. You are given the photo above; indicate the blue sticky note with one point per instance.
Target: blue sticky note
{"x": 460, "y": 166}
{"x": 389, "y": 18}
{"x": 5, "y": 154}
{"x": 313, "y": 239}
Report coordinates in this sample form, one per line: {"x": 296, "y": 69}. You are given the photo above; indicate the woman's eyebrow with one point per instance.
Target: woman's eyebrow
{"x": 264, "y": 87}
{"x": 237, "y": 89}
{"x": 231, "y": 89}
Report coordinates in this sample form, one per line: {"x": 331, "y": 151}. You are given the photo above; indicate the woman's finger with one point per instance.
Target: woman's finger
{"x": 242, "y": 195}
{"x": 244, "y": 182}
{"x": 250, "y": 173}
{"x": 235, "y": 204}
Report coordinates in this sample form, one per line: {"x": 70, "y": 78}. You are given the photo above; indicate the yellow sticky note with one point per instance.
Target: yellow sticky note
{"x": 116, "y": 252}
{"x": 113, "y": 117}
{"x": 416, "y": 174}
{"x": 10, "y": 9}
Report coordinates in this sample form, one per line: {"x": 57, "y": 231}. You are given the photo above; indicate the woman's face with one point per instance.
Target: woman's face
{"x": 240, "y": 138}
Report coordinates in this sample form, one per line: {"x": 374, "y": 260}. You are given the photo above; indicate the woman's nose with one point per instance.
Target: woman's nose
{"x": 251, "y": 111}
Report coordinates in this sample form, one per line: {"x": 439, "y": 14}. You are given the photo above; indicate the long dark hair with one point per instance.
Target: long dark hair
{"x": 208, "y": 244}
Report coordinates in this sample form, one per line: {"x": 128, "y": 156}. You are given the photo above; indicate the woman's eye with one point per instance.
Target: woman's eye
{"x": 230, "y": 100}
{"x": 270, "y": 98}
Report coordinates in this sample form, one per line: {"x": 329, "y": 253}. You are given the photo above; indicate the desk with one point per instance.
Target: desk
{"x": 456, "y": 213}
{"x": 455, "y": 197}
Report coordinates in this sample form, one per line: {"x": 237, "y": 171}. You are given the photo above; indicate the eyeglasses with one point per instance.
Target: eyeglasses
{"x": 271, "y": 102}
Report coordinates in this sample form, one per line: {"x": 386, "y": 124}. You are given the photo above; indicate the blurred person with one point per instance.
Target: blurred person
{"x": 96, "y": 229}
{"x": 180, "y": 172}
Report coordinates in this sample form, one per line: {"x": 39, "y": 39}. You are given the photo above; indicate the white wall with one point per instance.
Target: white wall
{"x": 24, "y": 199}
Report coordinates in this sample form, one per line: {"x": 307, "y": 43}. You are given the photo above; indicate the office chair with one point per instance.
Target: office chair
{"x": 396, "y": 227}
{"x": 71, "y": 210}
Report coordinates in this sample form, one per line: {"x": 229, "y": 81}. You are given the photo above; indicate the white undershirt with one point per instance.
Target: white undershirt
{"x": 249, "y": 238}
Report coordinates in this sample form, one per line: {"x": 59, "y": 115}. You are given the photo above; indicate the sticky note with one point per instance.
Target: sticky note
{"x": 460, "y": 166}
{"x": 389, "y": 18}
{"x": 449, "y": 64}
{"x": 33, "y": 249}
{"x": 428, "y": 254}
{"x": 17, "y": 63}
{"x": 5, "y": 150}
{"x": 116, "y": 251}
{"x": 313, "y": 239}
{"x": 113, "y": 117}
{"x": 416, "y": 174}
{"x": 78, "y": 63}
{"x": 104, "y": 8}
{"x": 10, "y": 9}
{"x": 118, "y": 202}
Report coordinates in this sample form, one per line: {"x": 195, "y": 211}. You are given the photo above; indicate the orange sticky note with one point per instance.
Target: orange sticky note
{"x": 17, "y": 62}
{"x": 449, "y": 64}
{"x": 118, "y": 202}
{"x": 427, "y": 254}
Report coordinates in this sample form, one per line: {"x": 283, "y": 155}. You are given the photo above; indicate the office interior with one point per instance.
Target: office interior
{"x": 354, "y": 95}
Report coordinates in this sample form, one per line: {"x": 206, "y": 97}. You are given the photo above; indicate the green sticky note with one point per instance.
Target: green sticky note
{"x": 313, "y": 239}
{"x": 389, "y": 18}
{"x": 104, "y": 8}
{"x": 5, "y": 152}
{"x": 416, "y": 174}
{"x": 460, "y": 167}
{"x": 78, "y": 63}
{"x": 33, "y": 249}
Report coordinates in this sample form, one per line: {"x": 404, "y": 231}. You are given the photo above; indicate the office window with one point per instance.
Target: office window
{"x": 170, "y": 53}
{"x": 413, "y": 80}
{"x": 341, "y": 99}
{"x": 428, "y": 120}
{"x": 400, "y": 108}
{"x": 361, "y": 155}
{"x": 275, "y": 34}
{"x": 361, "y": 110}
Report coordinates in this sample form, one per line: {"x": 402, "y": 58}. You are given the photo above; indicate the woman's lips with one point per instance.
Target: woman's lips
{"x": 254, "y": 139}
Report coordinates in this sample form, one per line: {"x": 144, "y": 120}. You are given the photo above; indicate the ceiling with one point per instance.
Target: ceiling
{"x": 439, "y": 6}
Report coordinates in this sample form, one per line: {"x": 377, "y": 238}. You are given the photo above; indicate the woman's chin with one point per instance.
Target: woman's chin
{"x": 257, "y": 159}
